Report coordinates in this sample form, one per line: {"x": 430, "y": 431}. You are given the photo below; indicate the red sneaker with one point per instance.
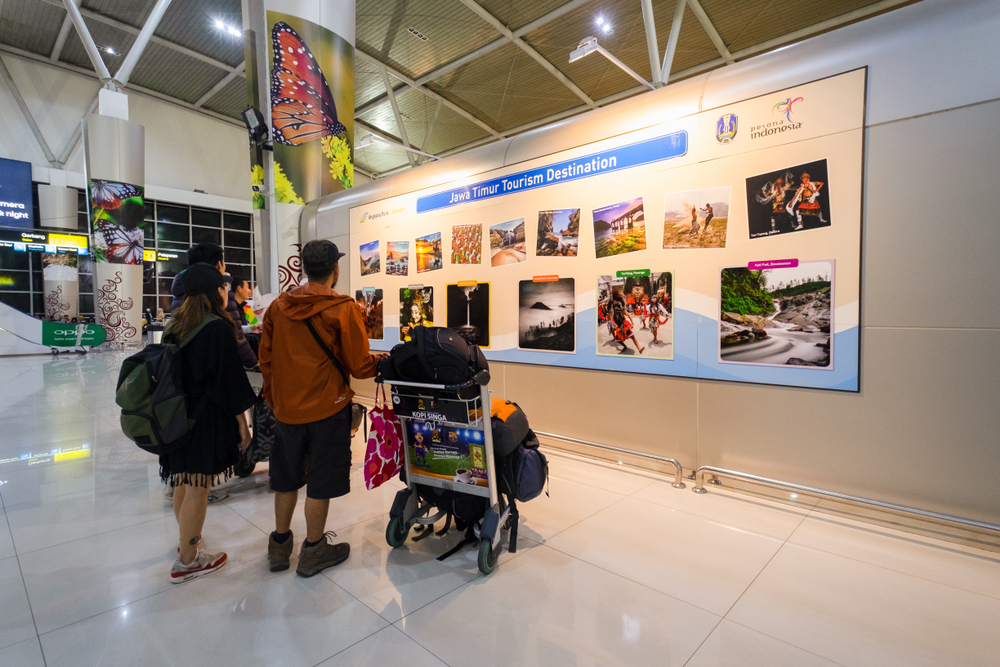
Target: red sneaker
{"x": 203, "y": 563}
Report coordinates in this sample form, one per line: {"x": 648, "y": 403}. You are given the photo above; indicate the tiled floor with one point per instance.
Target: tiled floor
{"x": 615, "y": 568}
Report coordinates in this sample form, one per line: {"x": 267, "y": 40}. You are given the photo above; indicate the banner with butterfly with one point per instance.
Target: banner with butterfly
{"x": 117, "y": 217}
{"x": 312, "y": 76}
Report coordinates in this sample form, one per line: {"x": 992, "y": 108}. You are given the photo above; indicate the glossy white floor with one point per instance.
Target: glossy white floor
{"x": 615, "y": 568}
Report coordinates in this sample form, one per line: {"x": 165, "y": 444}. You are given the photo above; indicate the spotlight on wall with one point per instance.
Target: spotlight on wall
{"x": 584, "y": 48}
{"x": 589, "y": 45}
{"x": 603, "y": 24}
{"x": 256, "y": 126}
{"x": 110, "y": 51}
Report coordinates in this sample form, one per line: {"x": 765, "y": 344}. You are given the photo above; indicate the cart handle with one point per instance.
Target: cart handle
{"x": 481, "y": 378}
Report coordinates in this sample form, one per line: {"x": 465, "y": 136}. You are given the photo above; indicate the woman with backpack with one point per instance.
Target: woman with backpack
{"x": 218, "y": 393}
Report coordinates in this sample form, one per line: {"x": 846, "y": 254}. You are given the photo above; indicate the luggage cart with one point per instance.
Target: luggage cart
{"x": 439, "y": 410}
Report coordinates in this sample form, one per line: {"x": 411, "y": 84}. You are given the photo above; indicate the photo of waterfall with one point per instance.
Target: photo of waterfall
{"x": 777, "y": 317}
{"x": 469, "y": 311}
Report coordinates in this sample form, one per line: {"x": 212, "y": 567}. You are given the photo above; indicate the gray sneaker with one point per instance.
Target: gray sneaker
{"x": 315, "y": 559}
{"x": 278, "y": 555}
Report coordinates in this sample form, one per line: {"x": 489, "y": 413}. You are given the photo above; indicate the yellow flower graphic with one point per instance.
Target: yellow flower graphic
{"x": 257, "y": 178}
{"x": 283, "y": 190}
{"x": 338, "y": 150}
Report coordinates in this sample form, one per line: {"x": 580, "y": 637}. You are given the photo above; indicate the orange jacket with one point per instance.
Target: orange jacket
{"x": 300, "y": 382}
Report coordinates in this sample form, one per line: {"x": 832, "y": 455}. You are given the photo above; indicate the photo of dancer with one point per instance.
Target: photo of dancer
{"x": 469, "y": 311}
{"x": 620, "y": 228}
{"x": 507, "y": 243}
{"x": 429, "y": 257}
{"x": 789, "y": 200}
{"x": 777, "y": 317}
{"x": 467, "y": 244}
{"x": 416, "y": 309}
{"x": 636, "y": 307}
{"x": 546, "y": 317}
{"x": 558, "y": 233}
{"x": 369, "y": 302}
{"x": 369, "y": 259}
{"x": 696, "y": 218}
{"x": 397, "y": 258}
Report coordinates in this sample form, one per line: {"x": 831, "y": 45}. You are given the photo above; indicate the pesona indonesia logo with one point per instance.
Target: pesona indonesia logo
{"x": 725, "y": 128}
{"x": 784, "y": 122}
{"x": 366, "y": 216}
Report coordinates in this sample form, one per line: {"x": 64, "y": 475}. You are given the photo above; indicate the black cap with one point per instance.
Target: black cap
{"x": 319, "y": 257}
{"x": 201, "y": 278}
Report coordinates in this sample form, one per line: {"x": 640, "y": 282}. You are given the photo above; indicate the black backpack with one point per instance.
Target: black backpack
{"x": 434, "y": 355}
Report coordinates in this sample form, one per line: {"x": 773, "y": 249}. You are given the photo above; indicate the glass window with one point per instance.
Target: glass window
{"x": 13, "y": 260}
{"x": 206, "y": 218}
{"x": 87, "y": 303}
{"x": 174, "y": 247}
{"x": 173, "y": 213}
{"x": 14, "y": 281}
{"x": 38, "y": 304}
{"x": 171, "y": 268}
{"x": 149, "y": 232}
{"x": 151, "y": 302}
{"x": 85, "y": 264}
{"x": 237, "y": 256}
{"x": 81, "y": 200}
{"x": 164, "y": 285}
{"x": 238, "y": 221}
{"x": 86, "y": 283}
{"x": 164, "y": 302}
{"x": 148, "y": 205}
{"x": 82, "y": 223}
{"x": 241, "y": 270}
{"x": 237, "y": 239}
{"x": 19, "y": 300}
{"x": 177, "y": 233}
{"x": 203, "y": 235}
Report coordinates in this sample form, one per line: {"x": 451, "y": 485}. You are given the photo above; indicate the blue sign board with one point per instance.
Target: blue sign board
{"x": 652, "y": 150}
{"x": 16, "y": 209}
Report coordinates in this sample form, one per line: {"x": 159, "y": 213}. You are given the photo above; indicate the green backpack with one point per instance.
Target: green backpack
{"x": 156, "y": 414}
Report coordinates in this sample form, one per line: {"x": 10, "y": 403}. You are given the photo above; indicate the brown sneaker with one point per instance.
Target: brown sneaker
{"x": 315, "y": 559}
{"x": 278, "y": 555}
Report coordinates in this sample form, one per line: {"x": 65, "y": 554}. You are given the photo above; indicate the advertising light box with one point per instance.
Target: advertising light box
{"x": 16, "y": 209}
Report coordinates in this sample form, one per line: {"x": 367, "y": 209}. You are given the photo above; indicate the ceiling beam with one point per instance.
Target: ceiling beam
{"x": 140, "y": 43}
{"x": 28, "y": 118}
{"x": 713, "y": 34}
{"x": 675, "y": 34}
{"x": 220, "y": 85}
{"x": 430, "y": 128}
{"x": 88, "y": 41}
{"x": 524, "y": 46}
{"x": 67, "y": 25}
{"x": 422, "y": 81}
{"x": 649, "y": 21}
{"x": 399, "y": 118}
{"x": 28, "y": 55}
{"x": 361, "y": 55}
{"x": 132, "y": 30}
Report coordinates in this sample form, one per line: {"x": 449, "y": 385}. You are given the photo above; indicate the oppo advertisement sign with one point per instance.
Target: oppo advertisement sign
{"x": 15, "y": 194}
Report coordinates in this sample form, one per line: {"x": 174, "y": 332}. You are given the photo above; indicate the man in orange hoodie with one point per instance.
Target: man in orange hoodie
{"x": 311, "y": 401}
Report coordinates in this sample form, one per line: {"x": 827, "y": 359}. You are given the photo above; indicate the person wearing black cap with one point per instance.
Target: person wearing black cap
{"x": 218, "y": 392}
{"x": 311, "y": 401}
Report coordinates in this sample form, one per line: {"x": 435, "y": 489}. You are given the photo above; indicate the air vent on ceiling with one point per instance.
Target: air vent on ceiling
{"x": 416, "y": 33}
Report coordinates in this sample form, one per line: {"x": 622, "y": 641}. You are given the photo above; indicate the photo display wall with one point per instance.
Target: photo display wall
{"x": 722, "y": 245}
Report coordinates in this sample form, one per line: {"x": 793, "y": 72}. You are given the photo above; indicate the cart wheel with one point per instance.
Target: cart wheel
{"x": 487, "y": 557}
{"x": 245, "y": 464}
{"x": 396, "y": 532}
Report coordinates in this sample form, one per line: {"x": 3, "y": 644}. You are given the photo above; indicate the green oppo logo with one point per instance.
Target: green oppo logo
{"x": 63, "y": 335}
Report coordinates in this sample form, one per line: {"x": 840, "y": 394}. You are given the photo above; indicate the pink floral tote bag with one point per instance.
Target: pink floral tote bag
{"x": 385, "y": 443}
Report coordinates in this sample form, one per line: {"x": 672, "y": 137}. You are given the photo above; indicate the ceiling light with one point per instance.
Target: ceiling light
{"x": 220, "y": 25}
{"x": 232, "y": 31}
{"x": 109, "y": 50}
{"x": 363, "y": 142}
{"x": 606, "y": 27}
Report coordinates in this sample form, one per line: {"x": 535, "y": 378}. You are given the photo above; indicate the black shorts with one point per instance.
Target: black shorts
{"x": 316, "y": 455}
